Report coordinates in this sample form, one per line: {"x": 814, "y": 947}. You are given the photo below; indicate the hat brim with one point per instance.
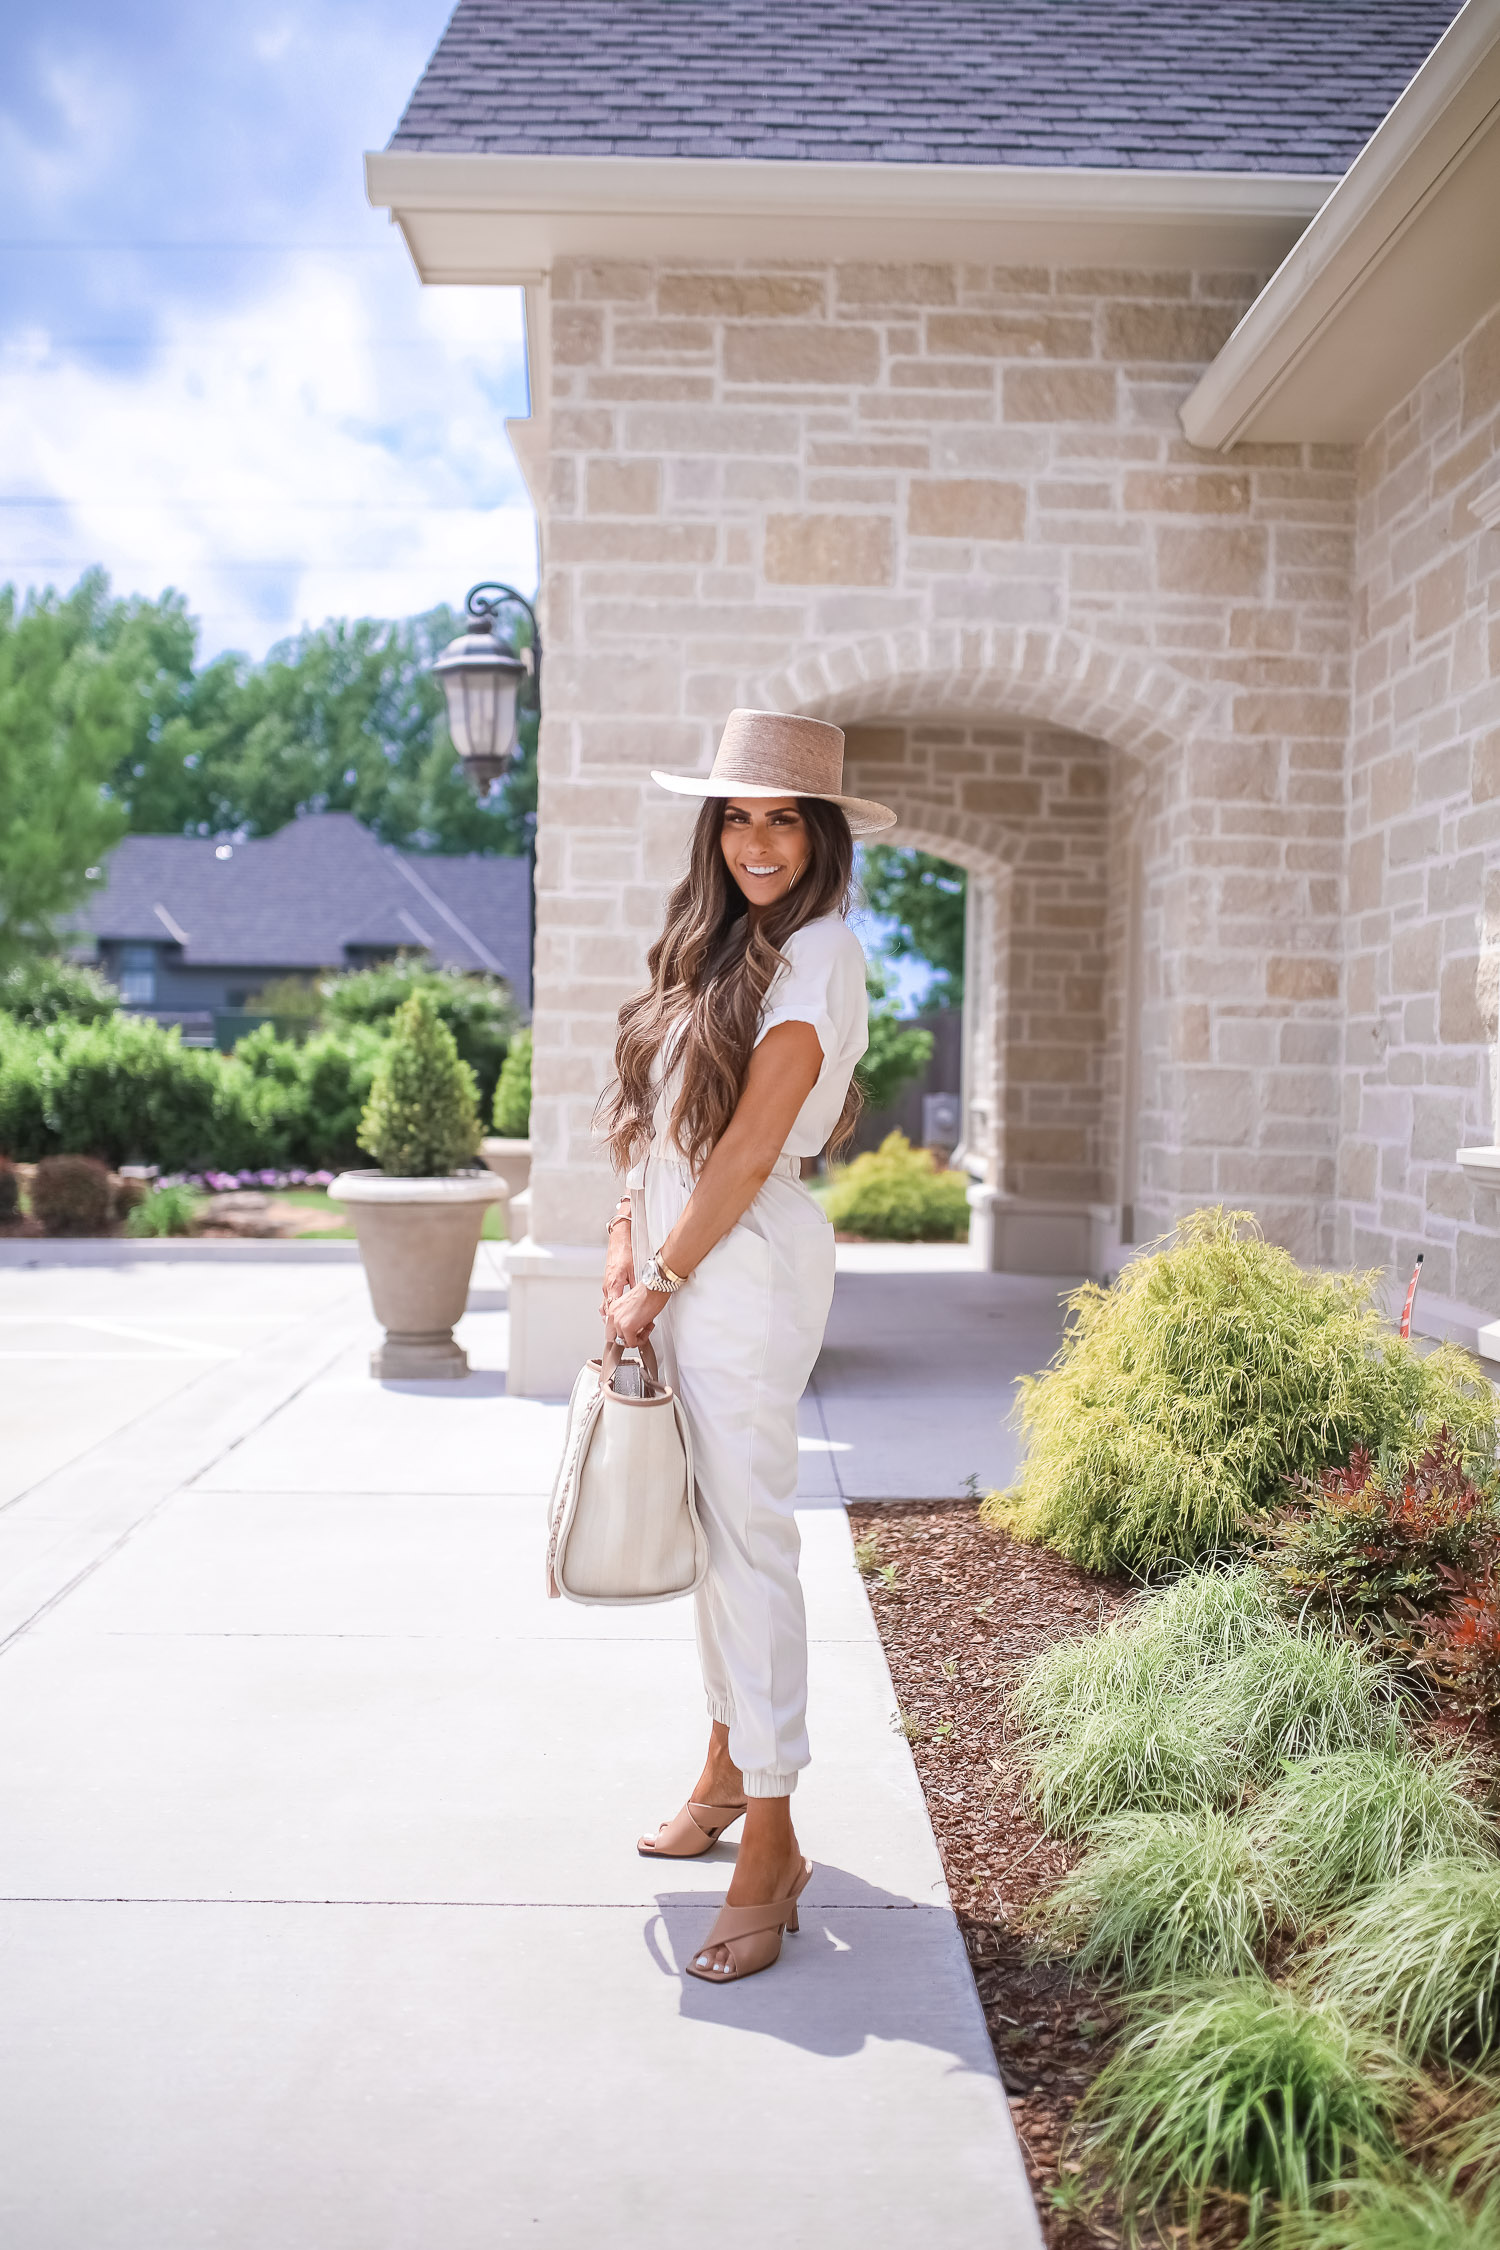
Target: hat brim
{"x": 864, "y": 816}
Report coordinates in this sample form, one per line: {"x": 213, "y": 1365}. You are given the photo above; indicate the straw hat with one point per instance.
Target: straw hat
{"x": 773, "y": 754}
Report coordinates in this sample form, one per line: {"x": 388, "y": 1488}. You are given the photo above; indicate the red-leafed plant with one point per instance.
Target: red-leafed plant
{"x": 1376, "y": 1545}
{"x": 1463, "y": 1644}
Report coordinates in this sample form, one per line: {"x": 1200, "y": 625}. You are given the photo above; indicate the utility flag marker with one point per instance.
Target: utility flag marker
{"x": 1411, "y": 1298}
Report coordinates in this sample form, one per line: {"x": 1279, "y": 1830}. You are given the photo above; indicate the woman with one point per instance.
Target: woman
{"x": 735, "y": 1063}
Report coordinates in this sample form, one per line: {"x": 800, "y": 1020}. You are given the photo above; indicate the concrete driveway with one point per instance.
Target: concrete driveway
{"x": 320, "y": 1922}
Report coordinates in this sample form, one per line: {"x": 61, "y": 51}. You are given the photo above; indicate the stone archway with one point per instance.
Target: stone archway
{"x": 1129, "y": 698}
{"x": 1054, "y": 1036}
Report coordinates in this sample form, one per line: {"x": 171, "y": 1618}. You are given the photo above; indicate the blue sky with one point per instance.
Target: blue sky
{"x": 218, "y": 370}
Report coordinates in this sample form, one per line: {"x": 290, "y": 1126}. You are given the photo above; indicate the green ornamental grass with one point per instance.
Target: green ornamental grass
{"x": 1147, "y": 1756}
{"x": 1337, "y": 1827}
{"x": 1240, "y": 2087}
{"x": 1160, "y": 1898}
{"x": 169, "y": 1210}
{"x": 1161, "y": 1643}
{"x": 1295, "y": 1696}
{"x": 1194, "y": 1696}
{"x": 1214, "y": 1369}
{"x": 1419, "y": 1961}
{"x": 1399, "y": 2213}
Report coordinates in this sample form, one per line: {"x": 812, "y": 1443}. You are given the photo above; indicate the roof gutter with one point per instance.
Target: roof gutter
{"x": 1413, "y": 156}
{"x": 515, "y": 213}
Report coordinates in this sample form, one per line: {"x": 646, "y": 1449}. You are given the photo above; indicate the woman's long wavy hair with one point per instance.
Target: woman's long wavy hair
{"x": 710, "y": 971}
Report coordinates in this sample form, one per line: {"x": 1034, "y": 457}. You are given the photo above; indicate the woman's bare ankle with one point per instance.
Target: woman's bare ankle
{"x": 721, "y": 1782}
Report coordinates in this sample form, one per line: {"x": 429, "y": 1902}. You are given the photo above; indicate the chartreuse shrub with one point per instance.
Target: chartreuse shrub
{"x": 1213, "y": 1370}
{"x": 897, "y": 1194}
{"x": 422, "y": 1118}
{"x": 1161, "y": 1897}
{"x": 1419, "y": 1960}
{"x": 512, "y": 1112}
{"x": 1333, "y": 1829}
{"x": 1239, "y": 2087}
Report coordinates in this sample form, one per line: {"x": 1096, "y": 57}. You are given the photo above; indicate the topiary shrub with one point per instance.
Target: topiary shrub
{"x": 10, "y": 1191}
{"x": 897, "y": 1194}
{"x": 1214, "y": 1370}
{"x": 512, "y": 1115}
{"x": 478, "y": 1010}
{"x": 43, "y": 990}
{"x": 422, "y": 1118}
{"x": 71, "y": 1195}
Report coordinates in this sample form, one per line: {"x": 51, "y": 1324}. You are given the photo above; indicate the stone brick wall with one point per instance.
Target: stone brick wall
{"x": 1424, "y": 835}
{"x": 957, "y": 499}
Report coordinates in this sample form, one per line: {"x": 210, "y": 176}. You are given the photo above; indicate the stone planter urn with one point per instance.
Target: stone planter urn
{"x": 509, "y": 1161}
{"x": 417, "y": 1239}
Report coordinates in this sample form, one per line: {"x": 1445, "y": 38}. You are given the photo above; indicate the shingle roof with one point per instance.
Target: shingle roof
{"x": 1177, "y": 85}
{"x": 298, "y": 899}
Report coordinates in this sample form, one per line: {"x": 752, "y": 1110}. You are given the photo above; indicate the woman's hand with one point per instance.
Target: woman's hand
{"x": 619, "y": 1269}
{"x": 633, "y": 1315}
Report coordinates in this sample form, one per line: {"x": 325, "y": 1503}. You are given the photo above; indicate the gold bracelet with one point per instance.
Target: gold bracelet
{"x": 678, "y": 1280}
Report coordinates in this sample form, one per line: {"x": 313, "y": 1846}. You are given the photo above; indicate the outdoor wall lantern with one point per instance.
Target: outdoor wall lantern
{"x": 482, "y": 673}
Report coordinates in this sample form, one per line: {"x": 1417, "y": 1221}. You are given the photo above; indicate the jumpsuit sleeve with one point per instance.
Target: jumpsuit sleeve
{"x": 822, "y": 984}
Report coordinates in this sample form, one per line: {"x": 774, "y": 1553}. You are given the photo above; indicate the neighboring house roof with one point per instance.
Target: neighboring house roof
{"x": 301, "y": 898}
{"x": 1282, "y": 86}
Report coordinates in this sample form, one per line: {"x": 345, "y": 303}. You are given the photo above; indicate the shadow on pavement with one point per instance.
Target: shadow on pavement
{"x": 878, "y": 1966}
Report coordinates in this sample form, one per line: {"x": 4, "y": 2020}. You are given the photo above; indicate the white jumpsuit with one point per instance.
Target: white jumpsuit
{"x": 739, "y": 1342}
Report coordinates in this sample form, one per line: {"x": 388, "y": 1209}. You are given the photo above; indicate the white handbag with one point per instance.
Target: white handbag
{"x": 623, "y": 1524}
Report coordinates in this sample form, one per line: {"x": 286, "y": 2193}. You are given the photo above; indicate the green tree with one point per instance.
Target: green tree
{"x": 347, "y": 717}
{"x": 83, "y": 681}
{"x": 897, "y": 1052}
{"x": 924, "y": 897}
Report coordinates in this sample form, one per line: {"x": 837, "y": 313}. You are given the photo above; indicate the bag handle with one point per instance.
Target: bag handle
{"x": 614, "y": 1351}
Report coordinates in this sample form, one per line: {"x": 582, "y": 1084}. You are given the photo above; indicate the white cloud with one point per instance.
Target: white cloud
{"x": 332, "y": 444}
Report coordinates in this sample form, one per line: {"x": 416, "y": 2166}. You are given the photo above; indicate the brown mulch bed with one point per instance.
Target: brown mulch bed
{"x": 961, "y": 1610}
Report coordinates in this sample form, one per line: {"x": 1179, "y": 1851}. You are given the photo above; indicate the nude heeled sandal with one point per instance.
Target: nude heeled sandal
{"x": 750, "y": 1935}
{"x": 689, "y": 1833}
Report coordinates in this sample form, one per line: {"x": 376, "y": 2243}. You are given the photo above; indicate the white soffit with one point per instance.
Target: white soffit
{"x": 1400, "y": 264}
{"x": 507, "y": 218}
